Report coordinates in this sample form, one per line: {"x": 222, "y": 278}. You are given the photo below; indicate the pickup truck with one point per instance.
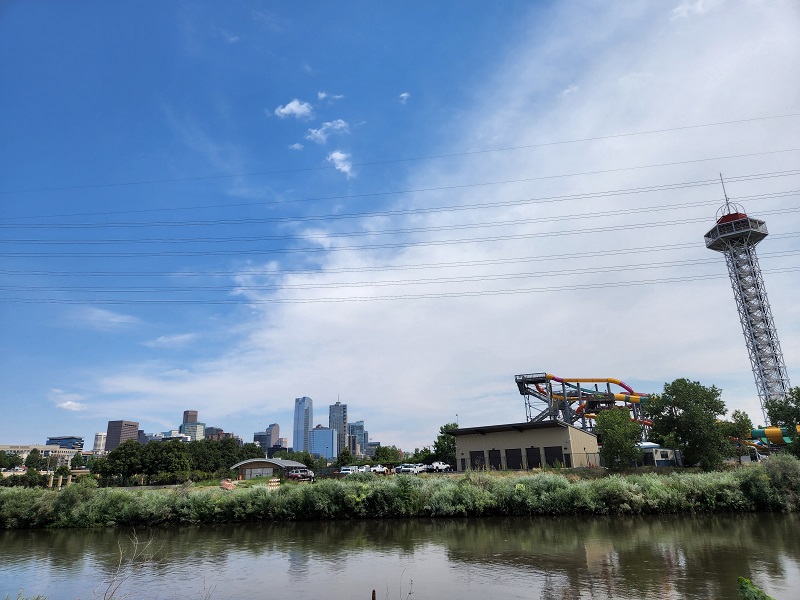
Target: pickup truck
{"x": 438, "y": 467}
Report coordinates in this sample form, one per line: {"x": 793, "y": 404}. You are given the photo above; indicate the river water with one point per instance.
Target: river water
{"x": 486, "y": 559}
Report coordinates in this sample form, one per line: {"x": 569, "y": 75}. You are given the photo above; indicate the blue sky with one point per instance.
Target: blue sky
{"x": 399, "y": 205}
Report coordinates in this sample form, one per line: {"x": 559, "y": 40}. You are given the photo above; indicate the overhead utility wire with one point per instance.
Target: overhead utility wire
{"x": 381, "y": 268}
{"x": 560, "y": 233}
{"x": 408, "y": 211}
{"x": 398, "y": 160}
{"x": 414, "y": 191}
{"x": 459, "y": 294}
{"x": 341, "y": 285}
{"x": 409, "y": 230}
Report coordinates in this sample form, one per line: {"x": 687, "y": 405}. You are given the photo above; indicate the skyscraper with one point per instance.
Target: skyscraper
{"x": 99, "y": 442}
{"x": 303, "y": 418}
{"x": 191, "y": 426}
{"x": 355, "y": 431}
{"x": 119, "y": 432}
{"x": 269, "y": 437}
{"x": 323, "y": 442}
{"x": 337, "y": 419}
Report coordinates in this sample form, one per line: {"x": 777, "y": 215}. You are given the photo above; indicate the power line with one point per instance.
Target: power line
{"x": 315, "y": 249}
{"x": 410, "y": 211}
{"x": 396, "y": 160}
{"x": 459, "y": 294}
{"x": 408, "y": 230}
{"x": 420, "y": 190}
{"x": 383, "y": 283}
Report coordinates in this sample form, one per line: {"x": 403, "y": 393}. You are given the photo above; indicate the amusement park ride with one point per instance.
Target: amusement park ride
{"x": 577, "y": 400}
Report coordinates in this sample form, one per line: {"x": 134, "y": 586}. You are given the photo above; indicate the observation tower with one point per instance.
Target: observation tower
{"x": 736, "y": 236}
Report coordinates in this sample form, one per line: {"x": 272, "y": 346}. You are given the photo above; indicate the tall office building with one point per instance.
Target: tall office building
{"x": 337, "y": 419}
{"x": 303, "y": 418}
{"x": 119, "y": 432}
{"x": 355, "y": 435}
{"x": 191, "y": 426}
{"x": 269, "y": 437}
{"x": 323, "y": 442}
{"x": 99, "y": 442}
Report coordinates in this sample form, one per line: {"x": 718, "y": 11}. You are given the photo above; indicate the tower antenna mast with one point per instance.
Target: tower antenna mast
{"x": 735, "y": 235}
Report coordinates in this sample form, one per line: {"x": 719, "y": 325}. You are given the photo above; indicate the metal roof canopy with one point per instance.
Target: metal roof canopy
{"x": 281, "y": 463}
{"x": 519, "y": 427}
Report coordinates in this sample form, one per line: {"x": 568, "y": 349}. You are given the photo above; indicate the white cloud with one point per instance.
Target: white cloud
{"x": 296, "y": 146}
{"x": 171, "y": 341}
{"x": 320, "y": 136}
{"x": 67, "y": 401}
{"x": 694, "y": 8}
{"x": 341, "y": 161}
{"x": 404, "y": 97}
{"x": 324, "y": 95}
{"x": 459, "y": 354}
{"x": 103, "y": 319}
{"x": 297, "y": 109}
{"x": 570, "y": 90}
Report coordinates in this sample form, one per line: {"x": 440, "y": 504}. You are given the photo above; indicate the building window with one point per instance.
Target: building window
{"x": 494, "y": 460}
{"x": 534, "y": 457}
{"x": 477, "y": 459}
{"x": 553, "y": 454}
{"x": 514, "y": 458}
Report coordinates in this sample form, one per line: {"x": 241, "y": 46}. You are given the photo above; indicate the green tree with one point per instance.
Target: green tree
{"x": 34, "y": 460}
{"x": 77, "y": 461}
{"x": 387, "y": 455}
{"x": 620, "y": 436}
{"x": 124, "y": 460}
{"x": 252, "y": 450}
{"x": 345, "y": 458}
{"x": 785, "y": 413}
{"x": 445, "y": 445}
{"x": 9, "y": 461}
{"x": 737, "y": 430}
{"x": 685, "y": 417}
{"x": 164, "y": 457}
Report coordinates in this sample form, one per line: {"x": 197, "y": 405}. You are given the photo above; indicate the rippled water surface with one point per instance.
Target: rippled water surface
{"x": 623, "y": 558}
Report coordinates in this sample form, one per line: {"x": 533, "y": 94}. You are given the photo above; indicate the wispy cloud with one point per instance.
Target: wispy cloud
{"x": 296, "y": 108}
{"x": 320, "y": 136}
{"x": 404, "y": 97}
{"x": 296, "y": 146}
{"x": 570, "y": 90}
{"x": 326, "y": 95}
{"x": 67, "y": 401}
{"x": 171, "y": 341}
{"x": 341, "y": 161}
{"x": 104, "y": 320}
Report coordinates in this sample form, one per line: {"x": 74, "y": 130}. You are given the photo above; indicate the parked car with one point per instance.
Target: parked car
{"x": 301, "y": 475}
{"x": 347, "y": 470}
{"x": 437, "y": 467}
{"x": 408, "y": 468}
{"x": 380, "y": 470}
{"x": 364, "y": 469}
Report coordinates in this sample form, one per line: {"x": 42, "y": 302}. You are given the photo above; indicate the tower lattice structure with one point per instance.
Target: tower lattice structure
{"x": 736, "y": 236}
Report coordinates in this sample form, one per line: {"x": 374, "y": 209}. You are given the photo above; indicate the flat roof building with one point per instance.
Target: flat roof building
{"x": 519, "y": 446}
{"x": 119, "y": 432}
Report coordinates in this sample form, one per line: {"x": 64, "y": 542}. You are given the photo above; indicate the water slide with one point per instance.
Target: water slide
{"x": 540, "y": 385}
{"x": 631, "y": 396}
{"x": 773, "y": 435}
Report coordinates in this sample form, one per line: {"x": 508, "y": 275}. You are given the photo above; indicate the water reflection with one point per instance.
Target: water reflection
{"x": 548, "y": 558}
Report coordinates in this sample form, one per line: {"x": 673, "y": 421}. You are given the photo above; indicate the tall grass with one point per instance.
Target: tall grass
{"x": 774, "y": 486}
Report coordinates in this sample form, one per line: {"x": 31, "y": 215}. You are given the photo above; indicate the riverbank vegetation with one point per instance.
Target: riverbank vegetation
{"x": 772, "y": 486}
